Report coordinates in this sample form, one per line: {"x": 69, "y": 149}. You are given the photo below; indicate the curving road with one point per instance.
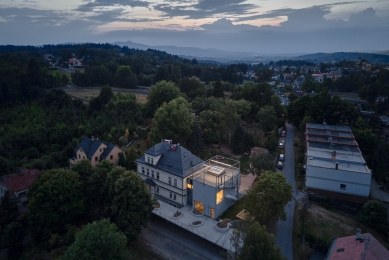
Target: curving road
{"x": 285, "y": 228}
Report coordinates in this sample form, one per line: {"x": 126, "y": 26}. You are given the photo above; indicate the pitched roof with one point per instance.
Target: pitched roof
{"x": 175, "y": 159}
{"x": 107, "y": 150}
{"x": 88, "y": 146}
{"x": 345, "y": 248}
{"x": 22, "y": 180}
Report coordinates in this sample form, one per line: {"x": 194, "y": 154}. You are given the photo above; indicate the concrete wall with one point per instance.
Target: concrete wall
{"x": 207, "y": 195}
{"x": 330, "y": 179}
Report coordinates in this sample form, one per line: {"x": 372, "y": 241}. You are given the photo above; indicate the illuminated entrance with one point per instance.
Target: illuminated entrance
{"x": 199, "y": 207}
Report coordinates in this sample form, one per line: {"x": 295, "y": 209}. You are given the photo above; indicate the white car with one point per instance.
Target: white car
{"x": 281, "y": 145}
{"x": 282, "y": 157}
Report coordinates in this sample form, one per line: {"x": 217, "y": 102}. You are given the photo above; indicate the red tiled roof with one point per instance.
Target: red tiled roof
{"x": 22, "y": 180}
{"x": 348, "y": 248}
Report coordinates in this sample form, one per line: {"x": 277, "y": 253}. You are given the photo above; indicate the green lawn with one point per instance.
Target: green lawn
{"x": 232, "y": 211}
{"x": 61, "y": 72}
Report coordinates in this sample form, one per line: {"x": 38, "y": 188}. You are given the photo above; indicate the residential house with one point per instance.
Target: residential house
{"x": 335, "y": 167}
{"x": 288, "y": 76}
{"x": 18, "y": 186}
{"x": 298, "y": 82}
{"x": 359, "y": 246}
{"x": 96, "y": 151}
{"x": 319, "y": 77}
{"x": 174, "y": 175}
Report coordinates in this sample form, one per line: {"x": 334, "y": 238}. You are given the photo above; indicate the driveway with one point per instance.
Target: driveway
{"x": 285, "y": 228}
{"x": 377, "y": 193}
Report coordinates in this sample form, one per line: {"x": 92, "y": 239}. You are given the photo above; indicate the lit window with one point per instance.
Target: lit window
{"x": 148, "y": 173}
{"x": 143, "y": 170}
{"x": 152, "y": 174}
{"x": 175, "y": 182}
{"x": 342, "y": 186}
{"x": 170, "y": 180}
{"x": 158, "y": 175}
{"x": 190, "y": 186}
{"x": 199, "y": 207}
{"x": 219, "y": 197}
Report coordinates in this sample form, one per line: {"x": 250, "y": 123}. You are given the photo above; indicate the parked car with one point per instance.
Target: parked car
{"x": 281, "y": 145}
{"x": 282, "y": 157}
{"x": 283, "y": 134}
{"x": 279, "y": 165}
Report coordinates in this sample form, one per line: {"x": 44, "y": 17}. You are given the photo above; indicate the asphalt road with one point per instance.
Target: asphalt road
{"x": 285, "y": 228}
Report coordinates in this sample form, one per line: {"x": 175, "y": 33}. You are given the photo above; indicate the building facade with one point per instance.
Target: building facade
{"x": 175, "y": 176}
{"x": 335, "y": 168}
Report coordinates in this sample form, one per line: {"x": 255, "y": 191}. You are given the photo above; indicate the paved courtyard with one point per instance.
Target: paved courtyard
{"x": 207, "y": 230}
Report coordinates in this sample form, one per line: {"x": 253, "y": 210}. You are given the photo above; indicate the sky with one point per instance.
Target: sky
{"x": 260, "y": 26}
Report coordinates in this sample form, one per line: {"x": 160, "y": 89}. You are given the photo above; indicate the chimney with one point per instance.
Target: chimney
{"x": 336, "y": 165}
{"x": 334, "y": 155}
{"x": 358, "y": 235}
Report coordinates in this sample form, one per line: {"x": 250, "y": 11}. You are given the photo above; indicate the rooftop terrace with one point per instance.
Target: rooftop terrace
{"x": 330, "y": 140}
{"x": 329, "y": 127}
{"x": 218, "y": 172}
{"x": 337, "y": 147}
{"x": 329, "y": 133}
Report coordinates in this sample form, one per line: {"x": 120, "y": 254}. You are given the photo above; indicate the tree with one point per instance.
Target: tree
{"x": 266, "y": 200}
{"x": 131, "y": 156}
{"x": 381, "y": 162}
{"x": 98, "y": 240}
{"x": 303, "y": 124}
{"x": 84, "y": 169}
{"x": 55, "y": 200}
{"x": 262, "y": 161}
{"x": 9, "y": 210}
{"x": 161, "y": 92}
{"x": 196, "y": 140}
{"x": 374, "y": 214}
{"x": 237, "y": 140}
{"x": 228, "y": 116}
{"x": 267, "y": 118}
{"x": 105, "y": 95}
{"x": 257, "y": 243}
{"x": 218, "y": 90}
{"x": 173, "y": 120}
{"x": 12, "y": 238}
{"x": 130, "y": 202}
{"x": 125, "y": 78}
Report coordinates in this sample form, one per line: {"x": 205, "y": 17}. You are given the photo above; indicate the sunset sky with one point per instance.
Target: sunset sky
{"x": 222, "y": 24}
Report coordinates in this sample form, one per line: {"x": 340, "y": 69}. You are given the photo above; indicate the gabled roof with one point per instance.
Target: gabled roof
{"x": 175, "y": 159}
{"x": 89, "y": 147}
{"x": 22, "y": 180}
{"x": 344, "y": 248}
{"x": 107, "y": 150}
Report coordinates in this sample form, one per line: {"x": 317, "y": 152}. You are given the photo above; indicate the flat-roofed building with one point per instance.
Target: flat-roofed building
{"x": 335, "y": 168}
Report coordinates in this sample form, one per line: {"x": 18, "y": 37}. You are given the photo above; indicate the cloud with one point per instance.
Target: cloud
{"x": 206, "y": 8}
{"x": 95, "y": 5}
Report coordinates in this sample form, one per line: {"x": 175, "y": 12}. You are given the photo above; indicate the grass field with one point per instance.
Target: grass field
{"x": 91, "y": 93}
{"x": 61, "y": 72}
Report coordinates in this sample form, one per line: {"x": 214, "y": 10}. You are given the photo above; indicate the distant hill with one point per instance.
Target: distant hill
{"x": 339, "y": 56}
{"x": 210, "y": 54}
{"x": 383, "y": 52}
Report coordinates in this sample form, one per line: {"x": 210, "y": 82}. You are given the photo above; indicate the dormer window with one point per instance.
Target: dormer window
{"x": 152, "y": 160}
{"x": 148, "y": 159}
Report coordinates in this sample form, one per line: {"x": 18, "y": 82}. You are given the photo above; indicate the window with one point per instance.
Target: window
{"x": 170, "y": 180}
{"x": 170, "y": 195}
{"x": 79, "y": 156}
{"x": 175, "y": 182}
{"x": 143, "y": 170}
{"x": 148, "y": 173}
{"x": 158, "y": 175}
{"x": 152, "y": 174}
{"x": 96, "y": 159}
{"x": 189, "y": 186}
{"x": 212, "y": 213}
{"x": 111, "y": 157}
{"x": 157, "y": 190}
{"x": 199, "y": 207}
{"x": 342, "y": 186}
{"x": 83, "y": 157}
{"x": 219, "y": 197}
{"x": 174, "y": 196}
{"x": 152, "y": 160}
{"x": 148, "y": 159}
{"x": 100, "y": 150}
